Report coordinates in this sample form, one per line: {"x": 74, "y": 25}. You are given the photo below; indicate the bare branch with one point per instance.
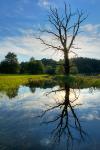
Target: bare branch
{"x": 49, "y": 45}
{"x": 65, "y": 28}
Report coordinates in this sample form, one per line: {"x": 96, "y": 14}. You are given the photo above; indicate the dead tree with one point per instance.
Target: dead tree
{"x": 64, "y": 28}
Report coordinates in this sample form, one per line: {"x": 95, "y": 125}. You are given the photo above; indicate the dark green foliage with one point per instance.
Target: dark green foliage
{"x": 24, "y": 68}
{"x": 10, "y": 64}
{"x": 50, "y": 70}
{"x": 87, "y": 65}
{"x": 60, "y": 69}
{"x": 49, "y": 62}
{"x": 49, "y": 66}
{"x": 35, "y": 67}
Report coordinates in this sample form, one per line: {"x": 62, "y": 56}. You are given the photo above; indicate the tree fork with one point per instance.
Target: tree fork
{"x": 64, "y": 29}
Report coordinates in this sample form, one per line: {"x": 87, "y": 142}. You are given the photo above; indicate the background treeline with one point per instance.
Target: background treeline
{"x": 10, "y": 65}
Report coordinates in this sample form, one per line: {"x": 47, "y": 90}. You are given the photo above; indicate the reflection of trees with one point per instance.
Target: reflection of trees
{"x": 65, "y": 120}
{"x": 11, "y": 93}
{"x": 40, "y": 84}
{"x": 32, "y": 89}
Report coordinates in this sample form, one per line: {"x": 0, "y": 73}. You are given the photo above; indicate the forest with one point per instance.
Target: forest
{"x": 79, "y": 65}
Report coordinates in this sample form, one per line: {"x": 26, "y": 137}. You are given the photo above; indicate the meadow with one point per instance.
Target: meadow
{"x": 11, "y": 81}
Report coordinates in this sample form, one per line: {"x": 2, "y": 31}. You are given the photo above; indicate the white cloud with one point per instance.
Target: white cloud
{"x": 26, "y": 46}
{"x": 89, "y": 41}
{"x": 91, "y": 28}
{"x": 44, "y": 3}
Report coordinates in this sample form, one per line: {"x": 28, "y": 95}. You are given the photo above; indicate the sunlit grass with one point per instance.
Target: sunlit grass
{"x": 11, "y": 81}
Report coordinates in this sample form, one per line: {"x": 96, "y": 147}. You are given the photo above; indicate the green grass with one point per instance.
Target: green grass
{"x": 80, "y": 80}
{"x": 11, "y": 81}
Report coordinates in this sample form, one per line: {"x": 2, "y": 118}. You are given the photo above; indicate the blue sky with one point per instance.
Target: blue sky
{"x": 20, "y": 18}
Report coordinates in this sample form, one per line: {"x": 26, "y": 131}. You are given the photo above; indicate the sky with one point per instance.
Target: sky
{"x": 20, "y": 20}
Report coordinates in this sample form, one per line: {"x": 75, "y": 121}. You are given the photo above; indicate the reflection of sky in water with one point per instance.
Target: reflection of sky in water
{"x": 20, "y": 130}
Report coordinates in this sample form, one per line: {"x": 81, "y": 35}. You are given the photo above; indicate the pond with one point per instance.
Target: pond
{"x": 50, "y": 118}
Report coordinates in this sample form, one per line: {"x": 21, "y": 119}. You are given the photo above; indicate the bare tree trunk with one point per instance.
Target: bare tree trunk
{"x": 66, "y": 64}
{"x": 64, "y": 29}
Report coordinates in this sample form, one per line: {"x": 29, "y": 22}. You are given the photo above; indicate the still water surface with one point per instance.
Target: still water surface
{"x": 35, "y": 119}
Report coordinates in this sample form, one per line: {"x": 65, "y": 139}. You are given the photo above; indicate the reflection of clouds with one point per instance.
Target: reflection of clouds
{"x": 45, "y": 142}
{"x": 90, "y": 110}
{"x": 93, "y": 116}
{"x": 26, "y": 100}
{"x": 88, "y": 99}
{"x": 19, "y": 114}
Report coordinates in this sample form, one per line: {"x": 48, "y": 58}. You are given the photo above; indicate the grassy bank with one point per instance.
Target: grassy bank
{"x": 12, "y": 81}
{"x": 80, "y": 80}
{"x": 9, "y": 83}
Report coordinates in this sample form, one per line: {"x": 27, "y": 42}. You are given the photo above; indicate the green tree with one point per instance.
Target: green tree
{"x": 35, "y": 66}
{"x": 60, "y": 69}
{"x": 10, "y": 64}
{"x": 24, "y": 68}
{"x": 50, "y": 70}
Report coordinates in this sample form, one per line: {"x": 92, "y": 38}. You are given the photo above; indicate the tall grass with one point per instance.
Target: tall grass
{"x": 12, "y": 81}
{"x": 80, "y": 80}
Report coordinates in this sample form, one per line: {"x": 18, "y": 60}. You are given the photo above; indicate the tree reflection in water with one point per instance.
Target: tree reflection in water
{"x": 66, "y": 121}
{"x": 11, "y": 93}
